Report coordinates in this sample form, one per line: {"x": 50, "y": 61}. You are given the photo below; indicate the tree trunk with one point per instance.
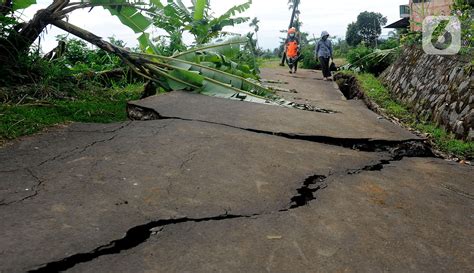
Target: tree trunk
{"x": 292, "y": 20}
{"x": 136, "y": 63}
{"x": 91, "y": 38}
{"x": 20, "y": 42}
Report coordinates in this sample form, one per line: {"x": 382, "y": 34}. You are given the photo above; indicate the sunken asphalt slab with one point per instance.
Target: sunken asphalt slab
{"x": 343, "y": 125}
{"x": 215, "y": 185}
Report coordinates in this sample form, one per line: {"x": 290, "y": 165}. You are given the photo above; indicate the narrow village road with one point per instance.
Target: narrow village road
{"x": 203, "y": 184}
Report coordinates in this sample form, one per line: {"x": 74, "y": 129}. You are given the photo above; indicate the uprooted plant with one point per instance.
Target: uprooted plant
{"x": 207, "y": 67}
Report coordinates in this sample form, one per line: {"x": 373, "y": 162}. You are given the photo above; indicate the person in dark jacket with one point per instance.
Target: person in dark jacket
{"x": 324, "y": 54}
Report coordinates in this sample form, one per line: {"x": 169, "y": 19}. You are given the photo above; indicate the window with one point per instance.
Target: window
{"x": 404, "y": 11}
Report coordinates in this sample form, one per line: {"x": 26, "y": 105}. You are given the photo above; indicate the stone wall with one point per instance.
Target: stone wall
{"x": 439, "y": 88}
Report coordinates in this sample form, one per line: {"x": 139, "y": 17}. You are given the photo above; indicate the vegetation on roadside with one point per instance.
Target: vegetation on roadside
{"x": 90, "y": 79}
{"x": 442, "y": 140}
{"x": 101, "y": 105}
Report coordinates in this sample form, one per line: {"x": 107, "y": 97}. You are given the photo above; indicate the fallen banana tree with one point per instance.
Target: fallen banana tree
{"x": 208, "y": 69}
{"x": 194, "y": 70}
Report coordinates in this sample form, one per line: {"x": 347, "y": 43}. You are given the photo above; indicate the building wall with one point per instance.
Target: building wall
{"x": 419, "y": 11}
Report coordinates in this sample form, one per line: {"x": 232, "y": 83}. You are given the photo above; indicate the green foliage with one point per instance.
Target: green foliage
{"x": 33, "y": 77}
{"x": 199, "y": 8}
{"x": 358, "y": 53}
{"x": 353, "y": 37}
{"x": 341, "y": 48}
{"x": 129, "y": 15}
{"x": 371, "y": 60}
{"x": 443, "y": 141}
{"x": 22, "y": 4}
{"x": 31, "y": 68}
{"x": 175, "y": 18}
{"x": 390, "y": 43}
{"x": 80, "y": 58}
{"x": 464, "y": 9}
{"x": 368, "y": 28}
{"x": 370, "y": 25}
{"x": 255, "y": 24}
{"x": 309, "y": 59}
{"x": 102, "y": 106}
{"x": 233, "y": 56}
{"x": 207, "y": 68}
{"x": 7, "y": 23}
{"x": 411, "y": 38}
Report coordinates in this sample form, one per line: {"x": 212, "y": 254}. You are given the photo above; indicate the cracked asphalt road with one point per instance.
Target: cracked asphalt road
{"x": 210, "y": 185}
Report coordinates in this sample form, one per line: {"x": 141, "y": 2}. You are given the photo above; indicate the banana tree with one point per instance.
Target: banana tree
{"x": 176, "y": 18}
{"x": 206, "y": 68}
{"x": 193, "y": 70}
{"x": 255, "y": 24}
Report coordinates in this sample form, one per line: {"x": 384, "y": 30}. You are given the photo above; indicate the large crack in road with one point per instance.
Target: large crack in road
{"x": 138, "y": 235}
{"x": 409, "y": 147}
{"x": 307, "y": 193}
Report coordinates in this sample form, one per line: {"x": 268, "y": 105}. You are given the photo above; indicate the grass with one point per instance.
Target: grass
{"x": 269, "y": 63}
{"x": 441, "y": 139}
{"x": 94, "y": 107}
{"x": 340, "y": 61}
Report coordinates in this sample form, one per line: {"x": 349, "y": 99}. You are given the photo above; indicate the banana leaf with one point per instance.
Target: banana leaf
{"x": 173, "y": 73}
{"x": 22, "y": 4}
{"x": 199, "y": 8}
{"x": 131, "y": 17}
{"x": 221, "y": 54}
{"x": 146, "y": 45}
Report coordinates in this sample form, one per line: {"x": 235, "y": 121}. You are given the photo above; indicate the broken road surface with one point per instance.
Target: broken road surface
{"x": 202, "y": 184}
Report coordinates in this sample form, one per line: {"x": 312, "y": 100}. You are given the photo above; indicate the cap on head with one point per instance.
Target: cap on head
{"x": 292, "y": 30}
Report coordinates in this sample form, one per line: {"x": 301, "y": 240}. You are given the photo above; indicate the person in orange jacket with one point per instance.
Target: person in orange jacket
{"x": 292, "y": 50}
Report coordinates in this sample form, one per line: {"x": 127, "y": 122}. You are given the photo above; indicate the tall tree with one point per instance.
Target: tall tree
{"x": 293, "y": 5}
{"x": 352, "y": 35}
{"x": 369, "y": 26}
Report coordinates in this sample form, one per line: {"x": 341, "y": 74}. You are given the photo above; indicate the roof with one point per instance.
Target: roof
{"x": 402, "y": 23}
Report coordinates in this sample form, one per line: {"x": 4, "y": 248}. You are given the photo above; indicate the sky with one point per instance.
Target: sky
{"x": 316, "y": 15}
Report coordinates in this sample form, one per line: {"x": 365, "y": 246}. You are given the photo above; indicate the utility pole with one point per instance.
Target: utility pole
{"x": 376, "y": 37}
{"x": 293, "y": 15}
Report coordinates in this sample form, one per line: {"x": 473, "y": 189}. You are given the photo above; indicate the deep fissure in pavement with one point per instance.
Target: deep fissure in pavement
{"x": 310, "y": 186}
{"x": 140, "y": 234}
{"x": 133, "y": 238}
{"x": 305, "y": 194}
{"x": 349, "y": 86}
{"x": 410, "y": 148}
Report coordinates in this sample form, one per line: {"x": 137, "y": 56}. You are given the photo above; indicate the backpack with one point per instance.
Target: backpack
{"x": 292, "y": 49}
